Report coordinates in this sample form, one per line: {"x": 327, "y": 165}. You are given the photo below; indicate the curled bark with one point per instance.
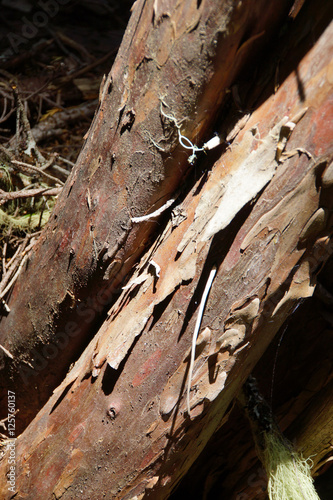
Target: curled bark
{"x": 182, "y": 56}
{"x": 263, "y": 218}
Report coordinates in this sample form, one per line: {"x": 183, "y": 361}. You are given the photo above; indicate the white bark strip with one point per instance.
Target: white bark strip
{"x": 245, "y": 183}
{"x": 157, "y": 212}
{"x": 196, "y": 331}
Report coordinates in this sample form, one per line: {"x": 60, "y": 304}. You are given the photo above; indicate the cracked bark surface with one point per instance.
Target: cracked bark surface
{"x": 117, "y": 424}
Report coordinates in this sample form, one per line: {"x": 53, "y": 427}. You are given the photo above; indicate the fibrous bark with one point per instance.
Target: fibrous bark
{"x": 263, "y": 217}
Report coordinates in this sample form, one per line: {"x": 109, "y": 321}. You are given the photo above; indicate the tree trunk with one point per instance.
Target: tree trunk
{"x": 118, "y": 425}
{"x": 181, "y": 55}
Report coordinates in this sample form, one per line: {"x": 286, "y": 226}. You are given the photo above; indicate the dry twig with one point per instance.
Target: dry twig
{"x": 28, "y": 193}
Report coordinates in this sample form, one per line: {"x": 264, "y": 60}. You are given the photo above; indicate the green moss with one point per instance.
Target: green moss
{"x": 28, "y": 222}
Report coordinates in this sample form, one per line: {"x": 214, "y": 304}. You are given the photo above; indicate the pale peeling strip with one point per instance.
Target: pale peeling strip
{"x": 116, "y": 337}
{"x": 300, "y": 288}
{"x": 116, "y": 340}
{"x": 81, "y": 367}
{"x": 122, "y": 342}
{"x": 205, "y": 210}
{"x": 182, "y": 271}
{"x": 154, "y": 214}
{"x": 136, "y": 281}
{"x": 156, "y": 267}
{"x": 246, "y": 182}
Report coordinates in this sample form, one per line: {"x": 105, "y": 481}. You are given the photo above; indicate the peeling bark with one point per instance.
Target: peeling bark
{"x": 180, "y": 55}
{"x": 263, "y": 217}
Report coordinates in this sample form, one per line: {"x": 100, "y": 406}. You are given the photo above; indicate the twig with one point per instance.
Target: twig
{"x": 10, "y": 356}
{"x": 48, "y": 162}
{"x": 12, "y": 265}
{"x": 45, "y": 128}
{"x": 4, "y": 252}
{"x": 4, "y": 117}
{"x": 24, "y": 55}
{"x": 28, "y": 193}
{"x": 61, "y": 170}
{"x": 37, "y": 170}
{"x": 196, "y": 331}
{"x": 14, "y": 257}
{"x": 74, "y": 45}
{"x": 21, "y": 252}
{"x": 109, "y": 55}
{"x": 14, "y": 278}
{"x": 61, "y": 46}
{"x": 21, "y": 116}
{"x": 70, "y": 163}
{"x": 5, "y": 306}
{"x": 7, "y": 152}
{"x": 33, "y": 235}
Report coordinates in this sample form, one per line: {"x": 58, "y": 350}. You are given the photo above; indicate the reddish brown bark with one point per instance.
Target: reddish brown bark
{"x": 295, "y": 375}
{"x": 186, "y": 54}
{"x": 266, "y": 225}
